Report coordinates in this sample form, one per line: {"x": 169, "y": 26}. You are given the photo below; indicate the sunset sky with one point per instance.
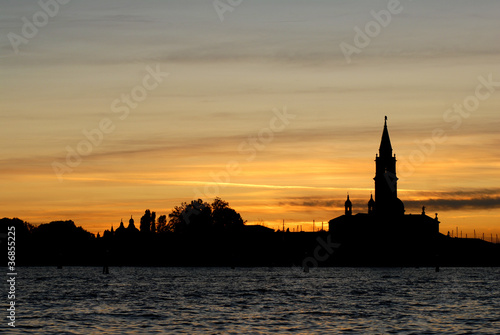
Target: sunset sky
{"x": 210, "y": 127}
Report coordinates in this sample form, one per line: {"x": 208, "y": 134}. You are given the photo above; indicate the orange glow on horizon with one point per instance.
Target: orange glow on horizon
{"x": 217, "y": 109}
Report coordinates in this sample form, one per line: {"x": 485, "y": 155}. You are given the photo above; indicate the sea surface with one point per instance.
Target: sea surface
{"x": 136, "y": 300}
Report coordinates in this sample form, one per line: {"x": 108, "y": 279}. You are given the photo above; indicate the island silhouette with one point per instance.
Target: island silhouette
{"x": 214, "y": 234}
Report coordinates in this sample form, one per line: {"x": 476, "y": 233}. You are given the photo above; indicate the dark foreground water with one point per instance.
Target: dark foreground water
{"x": 81, "y": 300}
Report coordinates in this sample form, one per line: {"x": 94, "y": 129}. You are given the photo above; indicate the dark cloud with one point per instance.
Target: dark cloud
{"x": 471, "y": 199}
{"x": 464, "y": 193}
{"x": 479, "y": 199}
{"x": 318, "y": 202}
{"x": 454, "y": 204}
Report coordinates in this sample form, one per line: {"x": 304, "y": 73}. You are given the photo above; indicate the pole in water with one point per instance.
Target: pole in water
{"x": 59, "y": 261}
{"x": 105, "y": 267}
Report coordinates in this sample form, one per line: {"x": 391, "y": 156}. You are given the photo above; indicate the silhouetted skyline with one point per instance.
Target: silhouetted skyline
{"x": 385, "y": 235}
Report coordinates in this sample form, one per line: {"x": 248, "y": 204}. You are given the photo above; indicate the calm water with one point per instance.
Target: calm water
{"x": 79, "y": 300}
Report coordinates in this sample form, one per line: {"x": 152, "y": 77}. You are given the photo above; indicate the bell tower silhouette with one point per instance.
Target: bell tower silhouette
{"x": 371, "y": 205}
{"x": 386, "y": 190}
{"x": 348, "y": 206}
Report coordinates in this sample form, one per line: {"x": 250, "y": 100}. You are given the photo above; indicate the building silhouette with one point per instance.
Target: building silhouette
{"x": 386, "y": 188}
{"x": 131, "y": 226}
{"x": 120, "y": 229}
{"x": 385, "y": 227}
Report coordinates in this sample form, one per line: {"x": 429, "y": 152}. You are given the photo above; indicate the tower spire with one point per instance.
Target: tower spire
{"x": 386, "y": 196}
{"x": 385, "y": 144}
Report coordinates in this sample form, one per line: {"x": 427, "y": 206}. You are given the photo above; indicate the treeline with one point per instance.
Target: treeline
{"x": 46, "y": 243}
{"x": 195, "y": 233}
{"x": 194, "y": 217}
{"x": 202, "y": 234}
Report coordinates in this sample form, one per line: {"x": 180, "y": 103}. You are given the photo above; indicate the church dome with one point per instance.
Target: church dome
{"x": 399, "y": 207}
{"x": 121, "y": 227}
{"x": 131, "y": 225}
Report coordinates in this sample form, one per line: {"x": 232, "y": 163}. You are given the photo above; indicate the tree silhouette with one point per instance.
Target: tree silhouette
{"x": 153, "y": 222}
{"x": 224, "y": 217}
{"x": 176, "y": 218}
{"x": 199, "y": 216}
{"x": 22, "y": 227}
{"x": 146, "y": 222}
{"x": 163, "y": 226}
{"x": 219, "y": 204}
{"x": 193, "y": 217}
